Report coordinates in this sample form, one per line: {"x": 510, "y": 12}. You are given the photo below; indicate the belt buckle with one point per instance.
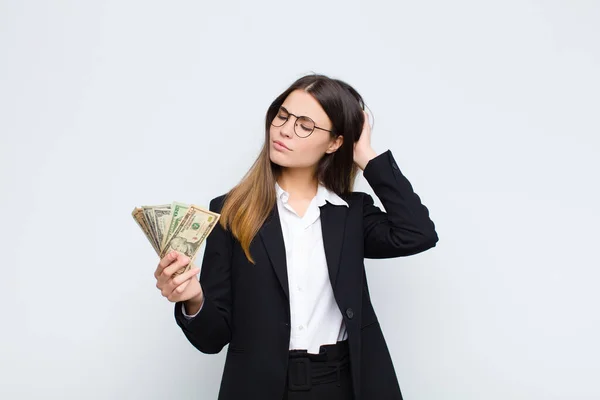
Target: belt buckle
{"x": 301, "y": 365}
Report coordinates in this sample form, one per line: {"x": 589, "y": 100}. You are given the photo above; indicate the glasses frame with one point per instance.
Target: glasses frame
{"x": 297, "y": 118}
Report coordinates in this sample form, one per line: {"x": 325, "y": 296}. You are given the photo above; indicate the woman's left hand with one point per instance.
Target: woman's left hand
{"x": 363, "y": 152}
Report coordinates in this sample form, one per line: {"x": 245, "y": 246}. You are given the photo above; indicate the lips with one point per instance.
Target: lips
{"x": 281, "y": 144}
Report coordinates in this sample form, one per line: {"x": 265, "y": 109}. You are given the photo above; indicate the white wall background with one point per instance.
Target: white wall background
{"x": 490, "y": 108}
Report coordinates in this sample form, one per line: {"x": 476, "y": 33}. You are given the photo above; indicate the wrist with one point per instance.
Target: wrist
{"x": 193, "y": 305}
{"x": 195, "y": 301}
{"x": 365, "y": 157}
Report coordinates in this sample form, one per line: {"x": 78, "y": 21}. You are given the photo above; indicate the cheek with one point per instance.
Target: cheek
{"x": 310, "y": 151}
{"x": 306, "y": 152}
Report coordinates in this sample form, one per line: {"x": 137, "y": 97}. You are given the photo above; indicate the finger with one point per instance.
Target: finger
{"x": 165, "y": 262}
{"x": 179, "y": 289}
{"x": 176, "y": 294}
{"x": 171, "y": 292}
{"x": 175, "y": 289}
{"x": 182, "y": 261}
{"x": 179, "y": 279}
{"x": 367, "y": 122}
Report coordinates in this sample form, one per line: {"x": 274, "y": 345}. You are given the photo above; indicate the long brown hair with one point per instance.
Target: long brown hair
{"x": 249, "y": 203}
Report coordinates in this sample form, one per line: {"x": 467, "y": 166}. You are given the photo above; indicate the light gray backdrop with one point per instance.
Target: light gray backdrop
{"x": 490, "y": 108}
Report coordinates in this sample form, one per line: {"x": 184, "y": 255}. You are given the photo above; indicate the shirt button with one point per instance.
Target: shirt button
{"x": 300, "y": 327}
{"x": 350, "y": 313}
{"x": 299, "y": 288}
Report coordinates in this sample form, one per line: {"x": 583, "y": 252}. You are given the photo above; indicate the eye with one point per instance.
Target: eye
{"x": 306, "y": 124}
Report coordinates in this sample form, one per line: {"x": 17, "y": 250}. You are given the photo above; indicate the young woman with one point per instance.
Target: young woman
{"x": 283, "y": 279}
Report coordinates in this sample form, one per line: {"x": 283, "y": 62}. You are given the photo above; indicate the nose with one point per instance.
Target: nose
{"x": 287, "y": 129}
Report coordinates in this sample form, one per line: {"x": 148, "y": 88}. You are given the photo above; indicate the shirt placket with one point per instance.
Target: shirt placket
{"x": 299, "y": 271}
{"x": 304, "y": 271}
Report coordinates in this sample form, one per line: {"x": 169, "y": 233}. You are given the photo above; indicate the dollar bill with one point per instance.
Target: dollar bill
{"x": 162, "y": 214}
{"x": 195, "y": 226}
{"x": 138, "y": 215}
{"x": 149, "y": 218}
{"x": 178, "y": 211}
{"x": 177, "y": 226}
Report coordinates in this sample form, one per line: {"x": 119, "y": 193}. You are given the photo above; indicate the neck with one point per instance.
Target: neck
{"x": 298, "y": 182}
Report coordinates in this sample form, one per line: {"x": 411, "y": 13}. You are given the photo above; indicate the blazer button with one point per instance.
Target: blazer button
{"x": 394, "y": 165}
{"x": 350, "y": 313}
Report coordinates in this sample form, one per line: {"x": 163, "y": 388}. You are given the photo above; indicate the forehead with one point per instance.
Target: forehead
{"x": 301, "y": 103}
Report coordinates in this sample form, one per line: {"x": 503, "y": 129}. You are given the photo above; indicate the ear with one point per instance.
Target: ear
{"x": 335, "y": 144}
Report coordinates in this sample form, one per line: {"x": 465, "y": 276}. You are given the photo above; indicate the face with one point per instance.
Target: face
{"x": 295, "y": 151}
{"x": 178, "y": 244}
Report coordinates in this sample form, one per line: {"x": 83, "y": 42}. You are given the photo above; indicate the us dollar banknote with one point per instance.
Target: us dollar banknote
{"x": 176, "y": 226}
{"x": 178, "y": 211}
{"x": 195, "y": 226}
{"x": 138, "y": 215}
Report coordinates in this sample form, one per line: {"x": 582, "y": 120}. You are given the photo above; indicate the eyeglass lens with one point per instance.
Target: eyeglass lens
{"x": 303, "y": 125}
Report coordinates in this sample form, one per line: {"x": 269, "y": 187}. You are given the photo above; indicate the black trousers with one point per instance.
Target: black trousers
{"x": 323, "y": 376}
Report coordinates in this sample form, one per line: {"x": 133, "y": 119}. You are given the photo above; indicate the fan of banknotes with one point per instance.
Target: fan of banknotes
{"x": 177, "y": 226}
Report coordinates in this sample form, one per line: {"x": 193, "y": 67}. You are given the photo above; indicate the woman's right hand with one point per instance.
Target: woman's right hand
{"x": 183, "y": 287}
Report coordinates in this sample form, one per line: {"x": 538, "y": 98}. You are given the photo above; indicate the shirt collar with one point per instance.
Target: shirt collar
{"x": 323, "y": 195}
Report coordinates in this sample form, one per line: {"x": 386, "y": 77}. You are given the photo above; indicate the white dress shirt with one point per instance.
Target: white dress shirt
{"x": 315, "y": 316}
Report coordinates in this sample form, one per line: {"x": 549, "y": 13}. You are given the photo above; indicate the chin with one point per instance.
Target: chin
{"x": 278, "y": 161}
{"x": 274, "y": 160}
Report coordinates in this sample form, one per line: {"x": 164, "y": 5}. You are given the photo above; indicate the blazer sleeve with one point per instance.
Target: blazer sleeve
{"x": 404, "y": 228}
{"x": 210, "y": 330}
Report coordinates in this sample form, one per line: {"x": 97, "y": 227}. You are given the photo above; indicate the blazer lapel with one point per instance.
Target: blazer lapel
{"x": 333, "y": 223}
{"x": 272, "y": 237}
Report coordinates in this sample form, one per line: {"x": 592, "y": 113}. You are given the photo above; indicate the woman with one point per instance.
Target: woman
{"x": 282, "y": 278}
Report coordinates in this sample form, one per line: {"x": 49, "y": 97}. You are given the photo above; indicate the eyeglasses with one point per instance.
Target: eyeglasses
{"x": 303, "y": 127}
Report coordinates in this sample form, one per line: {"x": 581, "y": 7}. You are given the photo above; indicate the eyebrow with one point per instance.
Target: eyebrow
{"x": 287, "y": 111}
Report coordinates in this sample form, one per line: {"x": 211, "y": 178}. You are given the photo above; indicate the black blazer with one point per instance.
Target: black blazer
{"x": 247, "y": 306}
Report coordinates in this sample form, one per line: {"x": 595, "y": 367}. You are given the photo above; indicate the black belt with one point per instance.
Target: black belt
{"x": 307, "y": 369}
